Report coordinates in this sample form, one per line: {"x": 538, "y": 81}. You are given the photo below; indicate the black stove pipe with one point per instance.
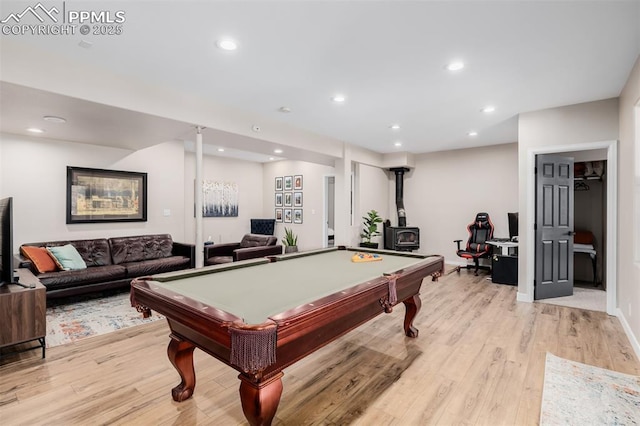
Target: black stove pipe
{"x": 402, "y": 217}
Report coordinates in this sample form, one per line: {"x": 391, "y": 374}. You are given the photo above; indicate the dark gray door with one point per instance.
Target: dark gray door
{"x": 554, "y": 226}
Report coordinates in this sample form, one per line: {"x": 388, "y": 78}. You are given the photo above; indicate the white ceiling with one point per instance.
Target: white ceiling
{"x": 387, "y": 57}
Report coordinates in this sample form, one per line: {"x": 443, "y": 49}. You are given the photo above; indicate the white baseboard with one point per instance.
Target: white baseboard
{"x": 627, "y": 329}
{"x": 524, "y": 297}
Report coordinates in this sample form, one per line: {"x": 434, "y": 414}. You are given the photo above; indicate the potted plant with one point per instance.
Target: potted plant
{"x": 290, "y": 241}
{"x": 370, "y": 229}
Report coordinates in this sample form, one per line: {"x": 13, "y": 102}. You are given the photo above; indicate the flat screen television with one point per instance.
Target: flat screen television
{"x": 6, "y": 241}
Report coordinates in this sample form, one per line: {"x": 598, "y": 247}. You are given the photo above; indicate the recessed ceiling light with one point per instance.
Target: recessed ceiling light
{"x": 220, "y": 149}
{"x": 35, "y": 130}
{"x": 277, "y": 151}
{"x": 472, "y": 133}
{"x": 338, "y": 98}
{"x": 284, "y": 109}
{"x": 455, "y": 66}
{"x": 227, "y": 44}
{"x": 395, "y": 127}
{"x": 271, "y": 158}
{"x": 54, "y": 119}
{"x": 398, "y": 143}
{"x": 488, "y": 108}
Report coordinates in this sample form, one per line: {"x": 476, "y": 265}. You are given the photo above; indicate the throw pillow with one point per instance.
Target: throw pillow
{"x": 67, "y": 257}
{"x": 42, "y": 260}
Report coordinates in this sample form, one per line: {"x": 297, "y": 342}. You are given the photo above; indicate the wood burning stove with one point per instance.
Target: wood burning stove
{"x": 402, "y": 237}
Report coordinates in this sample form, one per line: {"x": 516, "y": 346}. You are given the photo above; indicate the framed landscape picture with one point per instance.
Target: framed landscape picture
{"x": 97, "y": 195}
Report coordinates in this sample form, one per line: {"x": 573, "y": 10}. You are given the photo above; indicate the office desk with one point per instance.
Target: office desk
{"x": 504, "y": 246}
{"x": 259, "y": 317}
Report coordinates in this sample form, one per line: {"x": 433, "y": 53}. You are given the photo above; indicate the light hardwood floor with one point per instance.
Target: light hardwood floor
{"x": 479, "y": 360}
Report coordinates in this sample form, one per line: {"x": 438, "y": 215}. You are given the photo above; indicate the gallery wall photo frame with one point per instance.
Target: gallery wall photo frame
{"x": 297, "y": 182}
{"x": 288, "y": 199}
{"x": 297, "y": 216}
{"x": 278, "y": 199}
{"x": 288, "y": 183}
{"x": 278, "y": 215}
{"x": 100, "y": 195}
{"x": 297, "y": 199}
{"x": 278, "y": 184}
{"x": 288, "y": 216}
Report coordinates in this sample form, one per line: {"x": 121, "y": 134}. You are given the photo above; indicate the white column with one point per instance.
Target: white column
{"x": 198, "y": 200}
{"x": 343, "y": 199}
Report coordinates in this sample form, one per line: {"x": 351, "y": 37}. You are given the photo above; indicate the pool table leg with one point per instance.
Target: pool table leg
{"x": 412, "y": 307}
{"x": 181, "y": 356}
{"x": 260, "y": 400}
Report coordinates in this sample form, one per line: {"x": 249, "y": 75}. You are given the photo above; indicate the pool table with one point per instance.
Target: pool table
{"x": 260, "y": 316}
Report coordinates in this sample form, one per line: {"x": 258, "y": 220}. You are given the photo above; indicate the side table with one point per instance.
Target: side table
{"x": 23, "y": 313}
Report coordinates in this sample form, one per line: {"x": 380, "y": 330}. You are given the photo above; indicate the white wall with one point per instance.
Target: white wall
{"x": 310, "y": 232}
{"x": 248, "y": 176}
{"x": 446, "y": 189}
{"x": 34, "y": 172}
{"x": 629, "y": 176}
{"x": 372, "y": 193}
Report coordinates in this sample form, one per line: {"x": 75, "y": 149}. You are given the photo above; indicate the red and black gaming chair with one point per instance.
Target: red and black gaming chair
{"x": 480, "y": 231}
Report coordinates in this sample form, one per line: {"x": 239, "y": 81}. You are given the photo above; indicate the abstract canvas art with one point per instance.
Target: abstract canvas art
{"x": 219, "y": 199}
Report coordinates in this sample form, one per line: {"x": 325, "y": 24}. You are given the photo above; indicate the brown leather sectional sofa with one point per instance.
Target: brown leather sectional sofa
{"x": 114, "y": 262}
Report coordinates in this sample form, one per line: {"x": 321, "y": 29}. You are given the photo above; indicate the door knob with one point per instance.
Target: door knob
{"x": 571, "y": 233}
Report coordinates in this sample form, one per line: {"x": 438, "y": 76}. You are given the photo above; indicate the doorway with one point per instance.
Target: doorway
{"x": 329, "y": 211}
{"x": 609, "y": 269}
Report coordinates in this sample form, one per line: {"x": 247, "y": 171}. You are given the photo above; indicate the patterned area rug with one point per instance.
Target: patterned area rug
{"x": 580, "y": 394}
{"x": 81, "y": 317}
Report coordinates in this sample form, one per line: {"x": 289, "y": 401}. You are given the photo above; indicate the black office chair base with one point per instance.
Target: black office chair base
{"x": 474, "y": 266}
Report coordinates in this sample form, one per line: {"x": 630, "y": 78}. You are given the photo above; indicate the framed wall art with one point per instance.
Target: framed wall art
{"x": 219, "y": 199}
{"x": 279, "y": 184}
{"x": 297, "y": 182}
{"x": 278, "y": 199}
{"x": 278, "y": 215}
{"x": 297, "y": 199}
{"x": 287, "y": 216}
{"x": 297, "y": 215}
{"x": 288, "y": 183}
{"x": 98, "y": 195}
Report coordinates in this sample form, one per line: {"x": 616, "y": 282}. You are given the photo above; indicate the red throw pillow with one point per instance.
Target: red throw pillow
{"x": 40, "y": 257}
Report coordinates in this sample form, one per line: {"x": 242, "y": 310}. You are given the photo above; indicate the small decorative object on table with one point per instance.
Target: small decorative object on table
{"x": 365, "y": 257}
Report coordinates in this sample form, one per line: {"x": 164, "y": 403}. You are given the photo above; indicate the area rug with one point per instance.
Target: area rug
{"x": 580, "y": 394}
{"x": 84, "y": 317}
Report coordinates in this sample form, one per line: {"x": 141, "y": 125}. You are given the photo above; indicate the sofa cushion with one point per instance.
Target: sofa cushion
{"x": 144, "y": 247}
{"x": 95, "y": 274}
{"x": 94, "y": 252}
{"x": 67, "y": 258}
{"x": 40, "y": 257}
{"x": 156, "y": 266}
{"x": 256, "y": 240}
